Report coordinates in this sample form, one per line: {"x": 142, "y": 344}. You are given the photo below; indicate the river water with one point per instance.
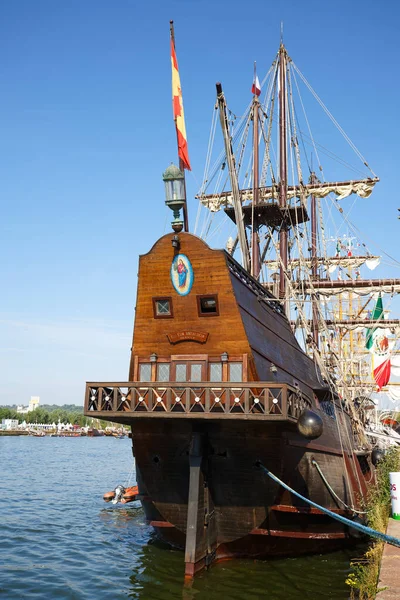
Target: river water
{"x": 58, "y": 539}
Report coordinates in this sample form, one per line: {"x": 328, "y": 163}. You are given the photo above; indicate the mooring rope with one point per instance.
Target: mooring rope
{"x": 332, "y": 491}
{"x": 363, "y": 528}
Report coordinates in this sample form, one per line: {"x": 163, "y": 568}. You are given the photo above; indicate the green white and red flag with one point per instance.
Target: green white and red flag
{"x": 378, "y": 344}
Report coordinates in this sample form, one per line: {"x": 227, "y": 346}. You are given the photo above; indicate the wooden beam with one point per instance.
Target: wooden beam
{"x": 195, "y": 548}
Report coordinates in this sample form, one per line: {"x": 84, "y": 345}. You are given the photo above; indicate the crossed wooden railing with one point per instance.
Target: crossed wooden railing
{"x": 252, "y": 400}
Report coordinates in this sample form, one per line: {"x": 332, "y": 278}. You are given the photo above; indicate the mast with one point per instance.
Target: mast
{"x": 314, "y": 264}
{"x": 233, "y": 177}
{"x": 181, "y": 163}
{"x": 255, "y": 248}
{"x": 283, "y": 234}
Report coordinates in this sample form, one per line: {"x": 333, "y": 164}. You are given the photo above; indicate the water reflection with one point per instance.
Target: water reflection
{"x": 158, "y": 569}
{"x": 159, "y": 574}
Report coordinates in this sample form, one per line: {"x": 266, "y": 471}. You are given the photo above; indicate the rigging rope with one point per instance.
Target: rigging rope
{"x": 346, "y": 137}
{"x": 271, "y": 95}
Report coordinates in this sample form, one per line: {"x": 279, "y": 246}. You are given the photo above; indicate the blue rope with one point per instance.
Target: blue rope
{"x": 363, "y": 528}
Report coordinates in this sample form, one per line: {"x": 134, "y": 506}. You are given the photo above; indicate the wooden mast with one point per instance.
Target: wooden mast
{"x": 233, "y": 177}
{"x": 255, "y": 248}
{"x": 314, "y": 264}
{"x": 181, "y": 164}
{"x": 283, "y": 234}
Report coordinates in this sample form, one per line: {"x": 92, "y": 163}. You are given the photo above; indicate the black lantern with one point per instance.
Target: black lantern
{"x": 174, "y": 181}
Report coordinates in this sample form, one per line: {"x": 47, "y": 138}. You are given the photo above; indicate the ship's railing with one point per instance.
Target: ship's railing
{"x": 252, "y": 400}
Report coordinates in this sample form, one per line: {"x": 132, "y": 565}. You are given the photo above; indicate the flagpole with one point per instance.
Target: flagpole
{"x": 181, "y": 164}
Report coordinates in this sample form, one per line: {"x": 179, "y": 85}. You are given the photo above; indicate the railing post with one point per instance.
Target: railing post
{"x": 207, "y": 399}
{"x": 266, "y": 395}
{"x": 87, "y": 392}
{"x": 130, "y": 394}
{"x": 284, "y": 401}
{"x": 246, "y": 400}
{"x": 228, "y": 395}
{"x": 150, "y": 398}
{"x": 187, "y": 399}
{"x": 168, "y": 399}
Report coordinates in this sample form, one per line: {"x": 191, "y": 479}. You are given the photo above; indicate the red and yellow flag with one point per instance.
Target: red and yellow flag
{"x": 179, "y": 117}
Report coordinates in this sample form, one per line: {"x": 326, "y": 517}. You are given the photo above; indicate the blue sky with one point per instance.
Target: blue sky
{"x": 86, "y": 132}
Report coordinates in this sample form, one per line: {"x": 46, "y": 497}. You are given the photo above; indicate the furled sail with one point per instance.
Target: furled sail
{"x": 363, "y": 188}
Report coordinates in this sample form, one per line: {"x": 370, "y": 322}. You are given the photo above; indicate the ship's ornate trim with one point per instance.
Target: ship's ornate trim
{"x": 187, "y": 336}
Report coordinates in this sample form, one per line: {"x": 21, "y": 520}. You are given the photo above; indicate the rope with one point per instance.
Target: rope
{"x": 316, "y": 465}
{"x": 346, "y": 137}
{"x": 130, "y": 477}
{"x": 389, "y": 539}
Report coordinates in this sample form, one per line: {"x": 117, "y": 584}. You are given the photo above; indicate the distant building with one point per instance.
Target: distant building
{"x": 43, "y": 426}
{"x": 9, "y": 424}
{"x": 33, "y": 405}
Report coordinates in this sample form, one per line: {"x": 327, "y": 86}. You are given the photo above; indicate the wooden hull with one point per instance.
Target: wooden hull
{"x": 218, "y": 384}
{"x": 241, "y": 512}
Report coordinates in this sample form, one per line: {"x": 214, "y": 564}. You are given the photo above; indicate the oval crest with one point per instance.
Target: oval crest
{"x": 182, "y": 274}
{"x": 380, "y": 343}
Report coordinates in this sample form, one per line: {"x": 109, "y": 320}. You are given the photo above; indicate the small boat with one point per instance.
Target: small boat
{"x": 93, "y": 432}
{"x": 37, "y": 433}
{"x": 122, "y": 494}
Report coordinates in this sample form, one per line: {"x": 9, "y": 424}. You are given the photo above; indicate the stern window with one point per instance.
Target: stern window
{"x": 163, "y": 372}
{"x": 180, "y": 372}
{"x": 208, "y": 306}
{"x": 189, "y": 371}
{"x": 215, "y": 371}
{"x": 162, "y": 308}
{"x": 235, "y": 371}
{"x": 195, "y": 372}
{"x": 145, "y": 372}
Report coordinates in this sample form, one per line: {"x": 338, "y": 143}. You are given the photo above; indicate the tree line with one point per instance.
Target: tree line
{"x": 49, "y": 413}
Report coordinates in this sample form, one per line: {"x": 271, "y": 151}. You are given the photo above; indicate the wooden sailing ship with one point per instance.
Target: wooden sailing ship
{"x": 219, "y": 382}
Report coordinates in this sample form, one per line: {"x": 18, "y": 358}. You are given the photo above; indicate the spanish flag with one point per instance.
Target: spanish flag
{"x": 177, "y": 105}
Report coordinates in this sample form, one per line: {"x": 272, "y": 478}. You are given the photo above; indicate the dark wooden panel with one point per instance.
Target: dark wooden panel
{"x": 272, "y": 341}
